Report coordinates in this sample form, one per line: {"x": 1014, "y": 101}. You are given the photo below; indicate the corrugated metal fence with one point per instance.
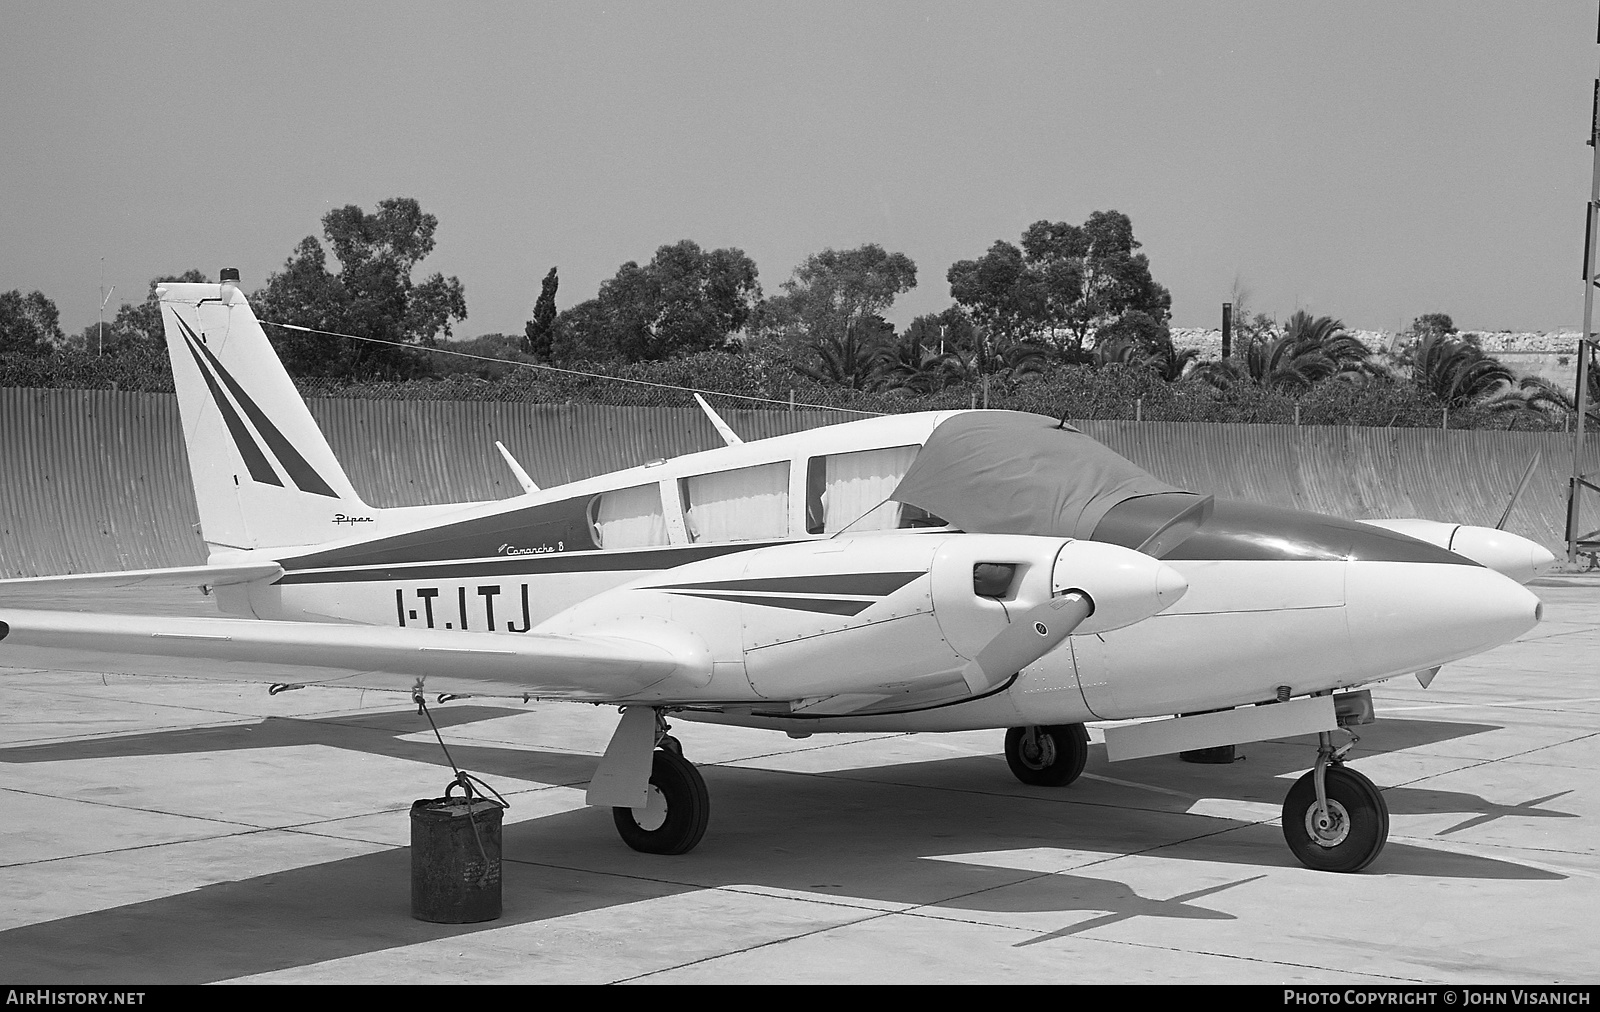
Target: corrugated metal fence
{"x": 1463, "y": 475}
{"x": 97, "y": 480}
{"x": 92, "y": 480}
{"x": 403, "y": 453}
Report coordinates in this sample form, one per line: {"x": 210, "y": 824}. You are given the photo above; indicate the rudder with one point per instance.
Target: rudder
{"x": 264, "y": 475}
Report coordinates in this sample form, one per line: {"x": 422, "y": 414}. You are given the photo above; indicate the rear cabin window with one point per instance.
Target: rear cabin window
{"x": 628, "y": 518}
{"x": 747, "y": 504}
{"x": 851, "y": 490}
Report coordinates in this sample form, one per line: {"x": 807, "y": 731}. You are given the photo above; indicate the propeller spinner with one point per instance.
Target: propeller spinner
{"x": 1094, "y": 587}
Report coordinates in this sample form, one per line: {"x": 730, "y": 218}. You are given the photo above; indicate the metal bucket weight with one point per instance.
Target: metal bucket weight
{"x": 450, "y": 883}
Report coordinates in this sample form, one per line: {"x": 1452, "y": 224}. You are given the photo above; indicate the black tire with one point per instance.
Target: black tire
{"x": 1056, "y": 762}
{"x": 1217, "y": 755}
{"x": 1359, "y": 827}
{"x": 676, "y": 785}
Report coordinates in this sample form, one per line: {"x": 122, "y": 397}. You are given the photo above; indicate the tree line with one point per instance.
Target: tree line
{"x": 1064, "y": 306}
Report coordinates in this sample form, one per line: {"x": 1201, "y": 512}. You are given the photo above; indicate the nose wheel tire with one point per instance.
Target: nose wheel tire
{"x": 1349, "y": 835}
{"x": 676, "y": 811}
{"x": 1051, "y": 756}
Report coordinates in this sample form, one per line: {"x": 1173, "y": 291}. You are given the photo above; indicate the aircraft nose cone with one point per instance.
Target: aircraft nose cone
{"x": 1406, "y": 616}
{"x": 1506, "y": 553}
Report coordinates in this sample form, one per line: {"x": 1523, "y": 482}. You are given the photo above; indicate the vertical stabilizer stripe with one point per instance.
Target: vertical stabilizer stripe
{"x": 300, "y": 470}
{"x": 254, "y": 460}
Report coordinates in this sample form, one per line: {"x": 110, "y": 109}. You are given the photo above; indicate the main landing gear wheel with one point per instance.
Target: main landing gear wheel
{"x": 676, "y": 811}
{"x": 1050, "y": 756}
{"x": 1349, "y": 835}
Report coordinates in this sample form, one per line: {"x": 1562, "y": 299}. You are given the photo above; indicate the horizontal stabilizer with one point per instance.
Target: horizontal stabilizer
{"x": 550, "y": 667}
{"x": 180, "y": 576}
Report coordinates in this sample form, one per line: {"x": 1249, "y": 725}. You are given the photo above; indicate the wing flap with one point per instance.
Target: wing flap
{"x": 593, "y": 668}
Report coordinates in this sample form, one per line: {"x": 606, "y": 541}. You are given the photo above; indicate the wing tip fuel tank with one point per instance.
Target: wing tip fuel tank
{"x": 1508, "y": 554}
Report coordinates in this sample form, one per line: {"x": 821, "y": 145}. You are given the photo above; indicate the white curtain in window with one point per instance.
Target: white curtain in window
{"x": 630, "y": 518}
{"x": 744, "y": 505}
{"x": 857, "y": 482}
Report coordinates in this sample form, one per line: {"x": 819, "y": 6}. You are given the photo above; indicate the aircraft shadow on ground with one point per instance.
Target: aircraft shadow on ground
{"x": 370, "y": 733}
{"x": 857, "y": 833}
{"x": 1259, "y": 774}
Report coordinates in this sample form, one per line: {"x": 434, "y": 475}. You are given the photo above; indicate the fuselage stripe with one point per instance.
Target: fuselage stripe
{"x": 825, "y": 606}
{"x": 508, "y": 567}
{"x": 859, "y": 584}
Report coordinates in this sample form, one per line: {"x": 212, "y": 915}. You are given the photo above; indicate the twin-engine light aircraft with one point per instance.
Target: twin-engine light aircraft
{"x": 940, "y": 571}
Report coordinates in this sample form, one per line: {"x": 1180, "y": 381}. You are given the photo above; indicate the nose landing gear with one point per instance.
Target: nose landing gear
{"x": 1335, "y": 819}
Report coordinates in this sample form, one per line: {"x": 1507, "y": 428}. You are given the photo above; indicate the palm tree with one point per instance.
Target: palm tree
{"x": 913, "y": 368}
{"x": 853, "y": 357}
{"x": 1021, "y": 360}
{"x": 1461, "y": 375}
{"x": 1311, "y": 349}
{"x": 1457, "y": 372}
{"x": 1217, "y": 373}
{"x": 1529, "y": 396}
{"x": 1308, "y": 351}
{"x": 1167, "y": 361}
{"x": 1327, "y": 336}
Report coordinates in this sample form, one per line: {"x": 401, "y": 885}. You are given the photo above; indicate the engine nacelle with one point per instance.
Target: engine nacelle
{"x": 975, "y": 601}
{"x": 873, "y": 616}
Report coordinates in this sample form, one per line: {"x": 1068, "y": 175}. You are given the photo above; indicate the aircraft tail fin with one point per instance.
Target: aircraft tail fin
{"x": 264, "y": 475}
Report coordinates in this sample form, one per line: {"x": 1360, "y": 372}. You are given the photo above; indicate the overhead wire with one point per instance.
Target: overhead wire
{"x": 570, "y": 372}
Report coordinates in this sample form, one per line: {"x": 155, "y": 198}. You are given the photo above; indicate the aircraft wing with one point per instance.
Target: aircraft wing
{"x": 181, "y": 576}
{"x": 594, "y": 668}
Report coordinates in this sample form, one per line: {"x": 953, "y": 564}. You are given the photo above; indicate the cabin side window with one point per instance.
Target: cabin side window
{"x": 747, "y": 504}
{"x": 628, "y": 518}
{"x": 851, "y": 490}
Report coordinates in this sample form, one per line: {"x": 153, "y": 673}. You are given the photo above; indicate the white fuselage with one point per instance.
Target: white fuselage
{"x": 1245, "y": 628}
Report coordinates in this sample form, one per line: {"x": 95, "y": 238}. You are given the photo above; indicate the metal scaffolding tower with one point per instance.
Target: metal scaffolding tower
{"x": 1585, "y": 543}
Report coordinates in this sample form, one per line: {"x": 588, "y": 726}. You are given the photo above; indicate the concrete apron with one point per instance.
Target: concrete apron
{"x": 169, "y": 831}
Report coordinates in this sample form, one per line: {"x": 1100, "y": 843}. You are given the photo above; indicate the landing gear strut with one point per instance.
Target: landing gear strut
{"x": 1047, "y": 756}
{"x": 1335, "y": 819}
{"x": 677, "y": 807}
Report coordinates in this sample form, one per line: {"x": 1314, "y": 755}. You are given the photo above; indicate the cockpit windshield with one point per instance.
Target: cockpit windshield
{"x": 1002, "y": 472}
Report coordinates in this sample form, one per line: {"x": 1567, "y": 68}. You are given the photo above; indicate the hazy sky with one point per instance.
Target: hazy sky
{"x": 1370, "y": 161}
